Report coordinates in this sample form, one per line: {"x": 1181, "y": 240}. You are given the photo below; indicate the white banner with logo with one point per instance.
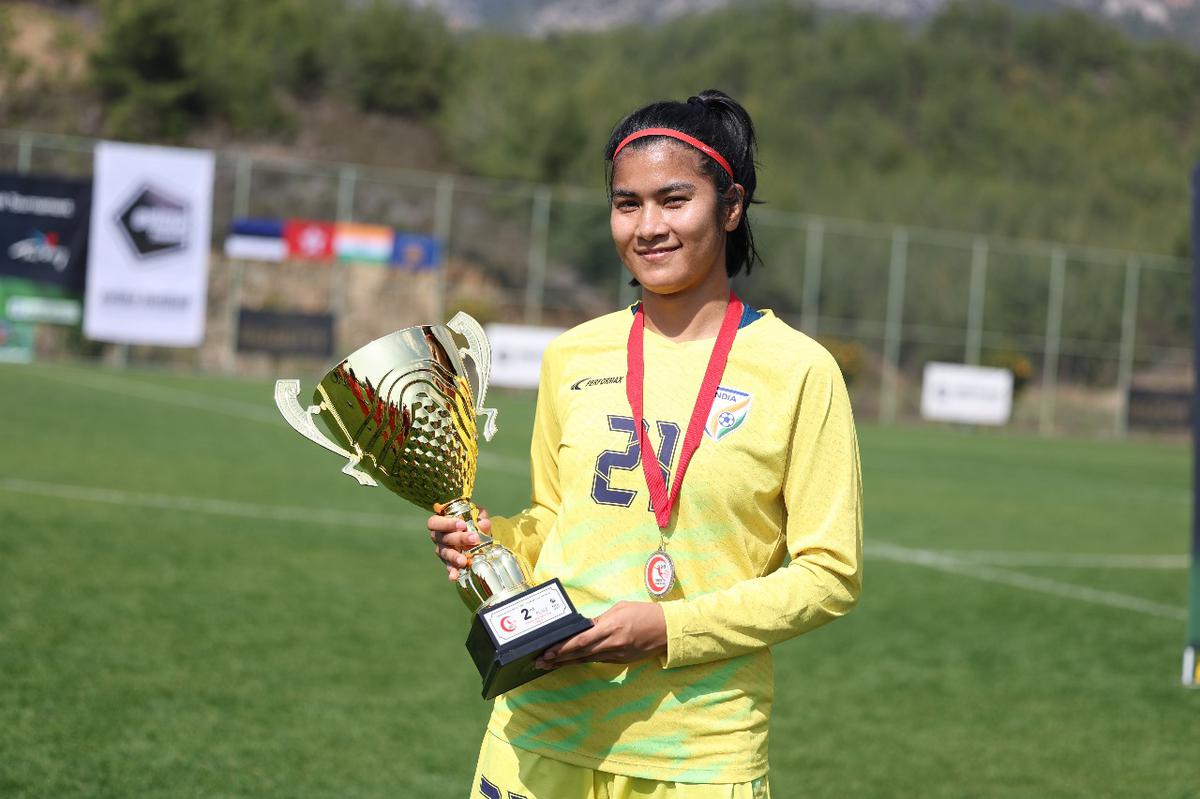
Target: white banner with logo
{"x": 517, "y": 353}
{"x": 148, "y": 254}
{"x": 952, "y": 392}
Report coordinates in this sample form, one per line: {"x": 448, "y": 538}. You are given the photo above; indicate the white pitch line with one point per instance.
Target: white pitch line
{"x": 335, "y": 518}
{"x": 221, "y": 507}
{"x": 131, "y": 387}
{"x": 1066, "y": 560}
{"x": 941, "y": 562}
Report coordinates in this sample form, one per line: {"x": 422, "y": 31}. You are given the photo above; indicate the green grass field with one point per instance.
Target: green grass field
{"x": 194, "y": 602}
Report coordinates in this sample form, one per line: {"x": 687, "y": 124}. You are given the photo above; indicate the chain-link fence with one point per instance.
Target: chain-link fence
{"x": 1079, "y": 327}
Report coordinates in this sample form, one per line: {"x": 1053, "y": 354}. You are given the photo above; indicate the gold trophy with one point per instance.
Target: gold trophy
{"x": 402, "y": 410}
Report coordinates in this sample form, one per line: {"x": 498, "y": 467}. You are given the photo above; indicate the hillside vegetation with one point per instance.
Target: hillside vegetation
{"x": 1047, "y": 127}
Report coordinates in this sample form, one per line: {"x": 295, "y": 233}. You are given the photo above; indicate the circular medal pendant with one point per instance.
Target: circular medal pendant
{"x": 660, "y": 573}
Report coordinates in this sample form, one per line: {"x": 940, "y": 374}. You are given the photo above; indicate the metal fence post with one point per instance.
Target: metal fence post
{"x": 1054, "y": 302}
{"x": 890, "y": 385}
{"x": 1133, "y": 271}
{"x": 539, "y": 229}
{"x": 24, "y": 153}
{"x": 810, "y": 299}
{"x": 975, "y": 297}
{"x": 347, "y": 180}
{"x": 443, "y": 225}
{"x": 233, "y": 299}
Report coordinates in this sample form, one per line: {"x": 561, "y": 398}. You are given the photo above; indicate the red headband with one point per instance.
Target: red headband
{"x": 683, "y": 137}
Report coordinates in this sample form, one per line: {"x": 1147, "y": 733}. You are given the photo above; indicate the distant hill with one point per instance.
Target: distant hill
{"x": 1173, "y": 19}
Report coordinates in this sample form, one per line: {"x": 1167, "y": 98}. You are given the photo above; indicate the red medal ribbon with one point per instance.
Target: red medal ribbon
{"x": 660, "y": 501}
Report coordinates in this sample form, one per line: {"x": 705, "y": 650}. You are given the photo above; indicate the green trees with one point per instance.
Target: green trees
{"x": 164, "y": 67}
{"x": 1043, "y": 126}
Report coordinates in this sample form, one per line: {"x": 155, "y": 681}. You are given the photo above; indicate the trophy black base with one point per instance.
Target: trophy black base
{"x": 507, "y": 638}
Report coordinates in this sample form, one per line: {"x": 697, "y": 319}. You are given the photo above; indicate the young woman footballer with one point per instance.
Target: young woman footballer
{"x": 696, "y": 489}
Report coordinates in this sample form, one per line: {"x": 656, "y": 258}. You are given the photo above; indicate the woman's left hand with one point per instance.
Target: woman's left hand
{"x": 626, "y": 632}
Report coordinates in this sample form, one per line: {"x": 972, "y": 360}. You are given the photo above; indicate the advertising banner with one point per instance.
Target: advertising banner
{"x": 23, "y": 304}
{"x": 952, "y": 392}
{"x": 285, "y": 333}
{"x": 148, "y": 255}
{"x": 517, "y": 353}
{"x": 44, "y": 229}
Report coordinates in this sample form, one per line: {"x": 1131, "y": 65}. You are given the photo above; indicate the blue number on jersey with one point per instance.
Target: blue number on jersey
{"x": 630, "y": 458}
{"x": 490, "y": 791}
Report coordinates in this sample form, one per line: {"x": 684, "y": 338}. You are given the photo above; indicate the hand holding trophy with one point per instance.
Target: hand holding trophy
{"x": 402, "y": 411}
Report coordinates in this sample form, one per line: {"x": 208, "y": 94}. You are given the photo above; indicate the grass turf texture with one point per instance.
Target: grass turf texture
{"x": 194, "y": 602}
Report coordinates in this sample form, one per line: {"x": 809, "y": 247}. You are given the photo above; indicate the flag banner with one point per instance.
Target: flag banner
{"x": 151, "y": 218}
{"x": 255, "y": 248}
{"x": 415, "y": 252}
{"x": 44, "y": 229}
{"x": 309, "y": 240}
{"x": 256, "y": 240}
{"x": 258, "y": 226}
{"x": 363, "y": 243}
{"x": 285, "y": 333}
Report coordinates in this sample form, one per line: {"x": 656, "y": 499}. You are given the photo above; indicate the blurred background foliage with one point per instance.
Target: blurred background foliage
{"x": 1052, "y": 126}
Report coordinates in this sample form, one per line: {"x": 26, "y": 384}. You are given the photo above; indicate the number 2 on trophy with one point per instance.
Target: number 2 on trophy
{"x": 629, "y": 459}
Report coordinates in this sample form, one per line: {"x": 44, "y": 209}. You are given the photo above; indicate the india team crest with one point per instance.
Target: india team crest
{"x": 729, "y": 411}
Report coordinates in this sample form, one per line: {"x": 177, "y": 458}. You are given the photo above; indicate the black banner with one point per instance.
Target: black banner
{"x": 285, "y": 333}
{"x": 1162, "y": 411}
{"x": 44, "y": 229}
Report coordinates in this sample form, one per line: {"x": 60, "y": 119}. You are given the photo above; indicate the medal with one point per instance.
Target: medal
{"x": 660, "y": 569}
{"x": 660, "y": 573}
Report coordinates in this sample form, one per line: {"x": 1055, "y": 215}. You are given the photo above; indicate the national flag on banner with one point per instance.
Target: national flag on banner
{"x": 309, "y": 240}
{"x": 416, "y": 252}
{"x": 256, "y": 240}
{"x": 363, "y": 243}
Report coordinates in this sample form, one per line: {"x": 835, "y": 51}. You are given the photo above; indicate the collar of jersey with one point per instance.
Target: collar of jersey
{"x": 749, "y": 314}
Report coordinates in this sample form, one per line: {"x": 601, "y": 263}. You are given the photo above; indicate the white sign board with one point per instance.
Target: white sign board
{"x": 951, "y": 392}
{"x": 147, "y": 273}
{"x": 517, "y": 353}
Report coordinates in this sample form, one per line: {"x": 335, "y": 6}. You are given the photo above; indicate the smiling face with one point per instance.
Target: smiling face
{"x": 667, "y": 223}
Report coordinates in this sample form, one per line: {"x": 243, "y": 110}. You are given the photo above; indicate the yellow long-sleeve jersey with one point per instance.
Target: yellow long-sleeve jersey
{"x": 766, "y": 540}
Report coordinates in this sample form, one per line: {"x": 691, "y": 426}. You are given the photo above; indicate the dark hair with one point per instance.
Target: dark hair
{"x": 719, "y": 121}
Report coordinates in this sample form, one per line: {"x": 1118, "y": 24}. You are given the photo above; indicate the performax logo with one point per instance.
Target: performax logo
{"x": 589, "y": 382}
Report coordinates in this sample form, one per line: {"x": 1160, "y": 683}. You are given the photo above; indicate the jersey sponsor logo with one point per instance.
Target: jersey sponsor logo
{"x": 729, "y": 411}
{"x": 589, "y": 382}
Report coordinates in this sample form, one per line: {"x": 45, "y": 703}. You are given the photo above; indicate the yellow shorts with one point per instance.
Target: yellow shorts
{"x": 506, "y": 772}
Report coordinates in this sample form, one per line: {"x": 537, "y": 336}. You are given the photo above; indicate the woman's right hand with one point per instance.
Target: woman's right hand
{"x": 450, "y": 539}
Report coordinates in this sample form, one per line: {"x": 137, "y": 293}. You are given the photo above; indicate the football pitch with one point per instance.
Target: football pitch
{"x": 194, "y": 602}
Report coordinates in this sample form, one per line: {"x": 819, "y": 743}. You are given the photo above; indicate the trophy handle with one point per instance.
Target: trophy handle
{"x": 480, "y": 353}
{"x": 287, "y": 393}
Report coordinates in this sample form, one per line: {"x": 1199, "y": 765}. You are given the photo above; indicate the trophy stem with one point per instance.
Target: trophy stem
{"x": 463, "y": 508}
{"x": 493, "y": 572}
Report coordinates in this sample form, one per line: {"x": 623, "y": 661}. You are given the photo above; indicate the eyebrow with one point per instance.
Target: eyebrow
{"x": 667, "y": 189}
